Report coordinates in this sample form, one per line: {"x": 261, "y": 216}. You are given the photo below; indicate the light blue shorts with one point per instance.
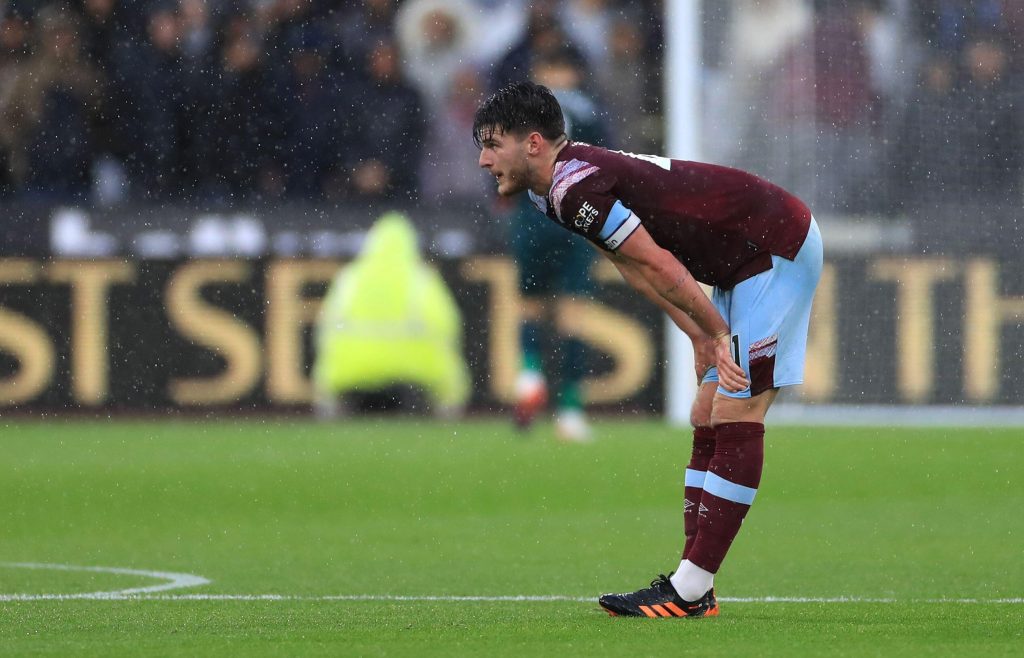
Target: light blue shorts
{"x": 769, "y": 314}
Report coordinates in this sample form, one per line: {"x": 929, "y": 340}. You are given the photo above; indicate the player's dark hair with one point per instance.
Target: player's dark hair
{"x": 519, "y": 108}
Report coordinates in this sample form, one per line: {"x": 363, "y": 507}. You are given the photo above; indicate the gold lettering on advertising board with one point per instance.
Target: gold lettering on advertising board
{"x": 985, "y": 313}
{"x": 25, "y": 340}
{"x": 499, "y": 274}
{"x": 30, "y": 345}
{"x": 625, "y": 340}
{"x": 90, "y": 361}
{"x": 215, "y": 329}
{"x": 915, "y": 281}
{"x": 289, "y": 312}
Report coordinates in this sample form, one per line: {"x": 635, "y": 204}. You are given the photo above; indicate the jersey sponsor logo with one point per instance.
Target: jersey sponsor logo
{"x": 585, "y": 217}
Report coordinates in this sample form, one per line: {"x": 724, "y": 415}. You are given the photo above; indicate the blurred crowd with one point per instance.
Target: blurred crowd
{"x": 872, "y": 107}
{"x": 258, "y": 100}
{"x": 862, "y": 106}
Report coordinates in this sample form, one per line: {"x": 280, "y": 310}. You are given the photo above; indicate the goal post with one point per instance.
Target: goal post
{"x": 682, "y": 141}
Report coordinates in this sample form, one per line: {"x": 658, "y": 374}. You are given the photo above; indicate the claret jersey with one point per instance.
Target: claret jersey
{"x": 723, "y": 224}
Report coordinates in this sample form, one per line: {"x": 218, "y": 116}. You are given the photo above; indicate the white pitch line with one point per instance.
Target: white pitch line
{"x": 174, "y": 581}
{"x": 182, "y": 580}
{"x": 112, "y": 596}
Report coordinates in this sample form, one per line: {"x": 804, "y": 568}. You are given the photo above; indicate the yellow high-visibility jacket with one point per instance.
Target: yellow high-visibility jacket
{"x": 389, "y": 318}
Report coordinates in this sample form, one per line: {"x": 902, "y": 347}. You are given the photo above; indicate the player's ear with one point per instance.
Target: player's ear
{"x": 534, "y": 142}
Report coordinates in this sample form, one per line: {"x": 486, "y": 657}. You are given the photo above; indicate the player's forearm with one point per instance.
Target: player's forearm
{"x": 639, "y": 283}
{"x": 669, "y": 279}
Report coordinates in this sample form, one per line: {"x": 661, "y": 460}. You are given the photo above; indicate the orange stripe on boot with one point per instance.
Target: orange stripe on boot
{"x": 661, "y": 611}
{"x": 674, "y": 609}
{"x": 647, "y": 611}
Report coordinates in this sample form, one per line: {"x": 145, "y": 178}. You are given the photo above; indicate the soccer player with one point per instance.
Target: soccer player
{"x": 554, "y": 267}
{"x": 667, "y": 225}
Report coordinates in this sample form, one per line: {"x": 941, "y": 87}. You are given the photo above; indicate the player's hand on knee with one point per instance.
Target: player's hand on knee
{"x": 730, "y": 375}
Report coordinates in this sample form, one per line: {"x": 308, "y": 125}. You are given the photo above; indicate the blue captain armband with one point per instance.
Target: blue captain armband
{"x": 620, "y": 225}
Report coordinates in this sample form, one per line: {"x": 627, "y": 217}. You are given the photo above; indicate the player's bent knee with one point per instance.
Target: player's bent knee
{"x": 700, "y": 412}
{"x": 742, "y": 410}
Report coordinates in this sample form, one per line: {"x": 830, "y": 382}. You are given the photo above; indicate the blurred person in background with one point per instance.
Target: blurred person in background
{"x": 287, "y": 25}
{"x": 847, "y": 106}
{"x": 554, "y": 269}
{"x": 894, "y": 59}
{"x": 762, "y": 43}
{"x": 199, "y": 54}
{"x": 15, "y": 38}
{"x": 197, "y": 28}
{"x": 238, "y": 159}
{"x": 589, "y": 24}
{"x": 103, "y": 21}
{"x": 383, "y": 149}
{"x": 962, "y": 152}
{"x": 622, "y": 86}
{"x": 442, "y": 39}
{"x": 48, "y": 112}
{"x": 15, "y": 47}
{"x": 104, "y": 24}
{"x": 356, "y": 30}
{"x": 310, "y": 116}
{"x": 945, "y": 26}
{"x": 989, "y": 138}
{"x": 542, "y": 34}
{"x": 926, "y": 128}
{"x": 445, "y": 176}
{"x": 389, "y": 320}
{"x": 436, "y": 38}
{"x": 148, "y": 71}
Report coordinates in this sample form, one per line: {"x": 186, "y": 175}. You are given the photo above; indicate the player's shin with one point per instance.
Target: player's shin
{"x": 700, "y": 457}
{"x": 733, "y": 476}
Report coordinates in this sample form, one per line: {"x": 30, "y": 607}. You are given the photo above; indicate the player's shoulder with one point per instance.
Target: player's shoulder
{"x": 577, "y": 161}
{"x": 582, "y": 151}
{"x": 577, "y": 170}
{"x": 621, "y": 163}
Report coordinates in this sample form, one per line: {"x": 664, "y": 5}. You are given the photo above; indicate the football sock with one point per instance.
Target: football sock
{"x": 734, "y": 474}
{"x": 703, "y": 449}
{"x": 692, "y": 582}
{"x": 569, "y": 396}
{"x": 530, "y": 338}
{"x": 570, "y": 364}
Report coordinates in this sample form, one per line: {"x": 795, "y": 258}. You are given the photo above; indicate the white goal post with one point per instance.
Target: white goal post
{"x": 682, "y": 141}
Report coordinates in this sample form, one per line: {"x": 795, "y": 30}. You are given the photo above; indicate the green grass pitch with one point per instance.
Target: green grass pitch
{"x": 415, "y": 508}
